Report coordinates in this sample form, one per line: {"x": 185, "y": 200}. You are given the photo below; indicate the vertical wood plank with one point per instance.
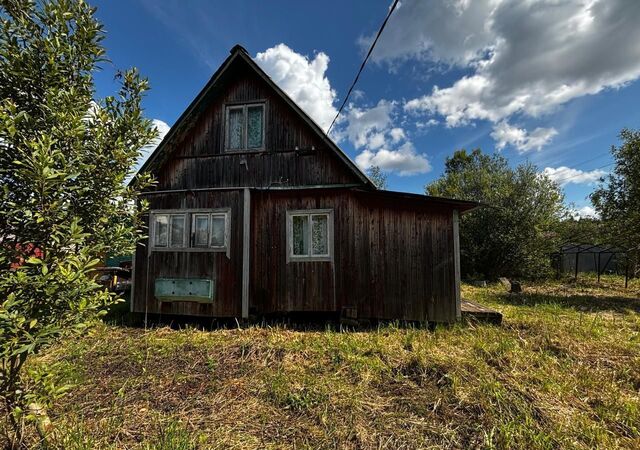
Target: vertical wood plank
{"x": 246, "y": 247}
{"x": 456, "y": 256}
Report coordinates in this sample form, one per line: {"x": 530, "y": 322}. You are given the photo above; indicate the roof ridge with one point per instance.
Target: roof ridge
{"x": 238, "y": 48}
{"x": 238, "y": 51}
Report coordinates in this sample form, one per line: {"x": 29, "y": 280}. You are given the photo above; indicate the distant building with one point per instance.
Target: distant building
{"x": 589, "y": 258}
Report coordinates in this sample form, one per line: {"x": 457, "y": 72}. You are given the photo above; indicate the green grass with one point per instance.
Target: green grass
{"x": 563, "y": 371}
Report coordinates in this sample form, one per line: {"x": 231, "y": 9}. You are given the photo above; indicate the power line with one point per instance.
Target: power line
{"x": 373, "y": 44}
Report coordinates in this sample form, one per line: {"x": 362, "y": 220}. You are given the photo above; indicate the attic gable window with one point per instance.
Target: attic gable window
{"x": 244, "y": 127}
{"x": 310, "y": 235}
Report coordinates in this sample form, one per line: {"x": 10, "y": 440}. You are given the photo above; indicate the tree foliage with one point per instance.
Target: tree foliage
{"x": 378, "y": 177}
{"x": 64, "y": 156}
{"x": 617, "y": 198}
{"x": 511, "y": 234}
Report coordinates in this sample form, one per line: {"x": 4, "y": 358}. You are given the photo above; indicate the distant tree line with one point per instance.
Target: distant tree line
{"x": 523, "y": 218}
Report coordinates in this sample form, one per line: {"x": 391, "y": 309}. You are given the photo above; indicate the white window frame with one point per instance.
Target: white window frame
{"x": 170, "y": 217}
{"x": 194, "y": 218}
{"x": 189, "y": 235}
{"x": 152, "y": 234}
{"x": 184, "y": 230}
{"x": 224, "y": 215}
{"x": 310, "y": 213}
{"x": 245, "y": 127}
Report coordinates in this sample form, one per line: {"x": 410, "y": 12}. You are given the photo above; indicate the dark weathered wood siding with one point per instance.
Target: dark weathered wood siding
{"x": 391, "y": 260}
{"x": 199, "y": 159}
{"x": 225, "y": 271}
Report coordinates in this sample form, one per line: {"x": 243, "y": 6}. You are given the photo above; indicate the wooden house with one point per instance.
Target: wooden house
{"x": 257, "y": 212}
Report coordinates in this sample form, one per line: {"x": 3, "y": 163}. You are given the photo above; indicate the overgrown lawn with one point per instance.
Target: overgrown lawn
{"x": 563, "y": 371}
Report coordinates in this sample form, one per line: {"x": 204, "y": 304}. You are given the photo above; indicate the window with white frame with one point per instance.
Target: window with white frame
{"x": 245, "y": 127}
{"x": 190, "y": 230}
{"x": 310, "y": 235}
{"x": 169, "y": 231}
{"x": 209, "y": 230}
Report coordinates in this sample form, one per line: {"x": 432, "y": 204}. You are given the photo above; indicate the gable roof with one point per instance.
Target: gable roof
{"x": 161, "y": 153}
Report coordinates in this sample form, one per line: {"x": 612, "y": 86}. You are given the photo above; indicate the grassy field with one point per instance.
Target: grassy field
{"x": 563, "y": 371}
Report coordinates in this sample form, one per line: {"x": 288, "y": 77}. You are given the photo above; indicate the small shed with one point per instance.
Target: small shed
{"x": 258, "y": 212}
{"x": 595, "y": 258}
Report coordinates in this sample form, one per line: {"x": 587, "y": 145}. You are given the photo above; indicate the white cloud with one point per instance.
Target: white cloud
{"x": 505, "y": 134}
{"x": 405, "y": 160}
{"x": 565, "y": 175}
{"x": 373, "y": 131}
{"x": 397, "y": 134}
{"x": 303, "y": 79}
{"x": 417, "y": 30}
{"x": 147, "y": 150}
{"x": 364, "y": 125}
{"x": 523, "y": 57}
{"x": 585, "y": 212}
{"x": 428, "y": 124}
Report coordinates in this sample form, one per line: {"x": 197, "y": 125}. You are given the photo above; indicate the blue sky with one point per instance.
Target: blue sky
{"x": 545, "y": 81}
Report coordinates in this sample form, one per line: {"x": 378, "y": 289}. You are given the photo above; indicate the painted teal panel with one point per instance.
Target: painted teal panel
{"x": 184, "y": 289}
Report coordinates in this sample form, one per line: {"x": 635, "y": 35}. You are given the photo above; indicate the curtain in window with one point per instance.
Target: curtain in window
{"x": 254, "y": 126}
{"x": 201, "y": 225}
{"x": 300, "y": 235}
{"x": 319, "y": 235}
{"x": 217, "y": 231}
{"x": 161, "y": 231}
{"x": 235, "y": 128}
{"x": 177, "y": 231}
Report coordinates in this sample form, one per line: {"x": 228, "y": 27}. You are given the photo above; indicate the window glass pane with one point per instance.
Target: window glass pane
{"x": 319, "y": 235}
{"x": 217, "y": 231}
{"x": 234, "y": 128}
{"x": 254, "y": 126}
{"x": 300, "y": 235}
{"x": 177, "y": 231}
{"x": 161, "y": 230}
{"x": 201, "y": 230}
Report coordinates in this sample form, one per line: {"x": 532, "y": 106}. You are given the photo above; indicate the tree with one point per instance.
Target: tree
{"x": 64, "y": 205}
{"x": 617, "y": 198}
{"x": 378, "y": 177}
{"x": 510, "y": 235}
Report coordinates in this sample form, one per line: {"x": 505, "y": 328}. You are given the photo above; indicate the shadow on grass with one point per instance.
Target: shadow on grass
{"x": 579, "y": 302}
{"x": 119, "y": 315}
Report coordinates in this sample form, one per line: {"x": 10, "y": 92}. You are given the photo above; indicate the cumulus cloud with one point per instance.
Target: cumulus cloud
{"x": 146, "y": 151}
{"x": 404, "y": 160}
{"x": 365, "y": 125}
{"x": 519, "y": 138}
{"x": 565, "y": 175}
{"x": 303, "y": 79}
{"x": 523, "y": 57}
{"x": 417, "y": 30}
{"x": 382, "y": 143}
{"x": 371, "y": 130}
{"x": 585, "y": 212}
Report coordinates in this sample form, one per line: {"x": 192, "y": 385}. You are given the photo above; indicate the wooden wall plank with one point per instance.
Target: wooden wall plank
{"x": 391, "y": 261}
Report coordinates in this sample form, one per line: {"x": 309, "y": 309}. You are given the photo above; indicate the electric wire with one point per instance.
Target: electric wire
{"x": 364, "y": 62}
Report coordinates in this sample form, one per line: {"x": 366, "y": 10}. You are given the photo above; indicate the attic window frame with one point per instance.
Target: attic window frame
{"x": 245, "y": 126}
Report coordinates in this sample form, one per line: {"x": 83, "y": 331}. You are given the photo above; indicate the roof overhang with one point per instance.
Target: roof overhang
{"x": 462, "y": 206}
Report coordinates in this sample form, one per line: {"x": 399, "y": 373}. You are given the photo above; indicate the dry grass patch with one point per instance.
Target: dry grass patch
{"x": 562, "y": 372}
